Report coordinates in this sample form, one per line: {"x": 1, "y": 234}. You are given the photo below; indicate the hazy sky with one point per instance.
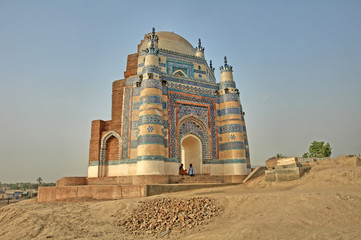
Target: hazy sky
{"x": 297, "y": 65}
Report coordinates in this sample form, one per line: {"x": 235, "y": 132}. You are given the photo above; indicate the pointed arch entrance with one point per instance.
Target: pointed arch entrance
{"x": 109, "y": 150}
{"x": 191, "y": 125}
{"x": 191, "y": 152}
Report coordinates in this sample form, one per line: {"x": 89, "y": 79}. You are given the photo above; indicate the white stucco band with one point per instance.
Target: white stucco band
{"x": 93, "y": 171}
{"x": 150, "y": 168}
{"x": 113, "y": 170}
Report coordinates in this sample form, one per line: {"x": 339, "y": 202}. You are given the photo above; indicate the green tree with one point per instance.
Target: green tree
{"x": 39, "y": 180}
{"x": 319, "y": 149}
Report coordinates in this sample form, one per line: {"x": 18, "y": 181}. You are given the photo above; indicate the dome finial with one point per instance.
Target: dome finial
{"x": 211, "y": 65}
{"x": 152, "y": 46}
{"x": 226, "y": 67}
{"x": 153, "y": 37}
{"x": 200, "y": 48}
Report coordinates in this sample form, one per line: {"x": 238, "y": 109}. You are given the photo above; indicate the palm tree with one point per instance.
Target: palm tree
{"x": 39, "y": 180}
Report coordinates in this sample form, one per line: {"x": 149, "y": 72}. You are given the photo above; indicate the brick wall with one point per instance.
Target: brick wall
{"x": 51, "y": 194}
{"x": 96, "y": 132}
{"x": 117, "y": 105}
{"x": 100, "y": 127}
{"x": 140, "y": 44}
{"x": 71, "y": 181}
{"x": 132, "y": 65}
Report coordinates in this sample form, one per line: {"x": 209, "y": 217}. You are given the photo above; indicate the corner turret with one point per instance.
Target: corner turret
{"x": 151, "y": 63}
{"x": 232, "y": 116}
{"x": 226, "y": 72}
{"x": 200, "y": 49}
{"x": 151, "y": 151}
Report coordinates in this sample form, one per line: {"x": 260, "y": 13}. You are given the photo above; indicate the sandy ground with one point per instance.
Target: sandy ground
{"x": 324, "y": 204}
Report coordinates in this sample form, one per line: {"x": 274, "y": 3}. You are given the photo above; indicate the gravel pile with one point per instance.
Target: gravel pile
{"x": 163, "y": 215}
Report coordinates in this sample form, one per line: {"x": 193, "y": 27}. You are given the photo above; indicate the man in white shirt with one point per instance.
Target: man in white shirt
{"x": 191, "y": 171}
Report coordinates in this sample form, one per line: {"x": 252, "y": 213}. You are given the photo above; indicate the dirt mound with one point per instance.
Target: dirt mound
{"x": 161, "y": 216}
{"x": 324, "y": 204}
{"x": 328, "y": 173}
{"x": 342, "y": 175}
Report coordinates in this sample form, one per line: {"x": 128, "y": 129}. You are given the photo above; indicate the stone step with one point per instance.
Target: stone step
{"x": 201, "y": 179}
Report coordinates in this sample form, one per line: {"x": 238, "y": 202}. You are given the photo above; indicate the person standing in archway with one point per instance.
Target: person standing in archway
{"x": 191, "y": 171}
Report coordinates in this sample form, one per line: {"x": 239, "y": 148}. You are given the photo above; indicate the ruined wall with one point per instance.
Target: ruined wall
{"x": 117, "y": 105}
{"x": 103, "y": 192}
{"x": 132, "y": 65}
{"x": 71, "y": 181}
{"x": 96, "y": 132}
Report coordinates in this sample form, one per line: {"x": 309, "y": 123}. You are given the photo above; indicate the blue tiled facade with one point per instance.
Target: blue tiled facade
{"x": 199, "y": 113}
{"x": 171, "y": 96}
{"x": 125, "y": 131}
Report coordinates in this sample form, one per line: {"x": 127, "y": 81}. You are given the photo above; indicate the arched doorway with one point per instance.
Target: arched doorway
{"x": 109, "y": 150}
{"x": 192, "y": 152}
{"x": 112, "y": 149}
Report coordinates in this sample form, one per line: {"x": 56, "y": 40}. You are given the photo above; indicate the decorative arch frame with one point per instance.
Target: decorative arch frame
{"x": 183, "y": 74}
{"x": 194, "y": 118}
{"x": 202, "y": 134}
{"x": 174, "y": 98}
{"x": 103, "y": 151}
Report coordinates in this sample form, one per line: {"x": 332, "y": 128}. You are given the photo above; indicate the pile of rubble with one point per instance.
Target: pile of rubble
{"x": 163, "y": 215}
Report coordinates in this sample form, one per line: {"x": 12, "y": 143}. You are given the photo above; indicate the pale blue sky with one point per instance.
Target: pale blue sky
{"x": 297, "y": 65}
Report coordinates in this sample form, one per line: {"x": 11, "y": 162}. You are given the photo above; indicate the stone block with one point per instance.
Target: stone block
{"x": 270, "y": 175}
{"x": 271, "y": 163}
{"x": 285, "y": 166}
{"x": 287, "y": 161}
{"x": 285, "y": 173}
{"x": 288, "y": 174}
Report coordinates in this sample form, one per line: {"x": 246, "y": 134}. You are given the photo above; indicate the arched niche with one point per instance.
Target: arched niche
{"x": 191, "y": 152}
{"x": 109, "y": 150}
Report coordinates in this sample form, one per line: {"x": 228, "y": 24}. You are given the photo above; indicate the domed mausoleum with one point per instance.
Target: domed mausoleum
{"x": 169, "y": 109}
